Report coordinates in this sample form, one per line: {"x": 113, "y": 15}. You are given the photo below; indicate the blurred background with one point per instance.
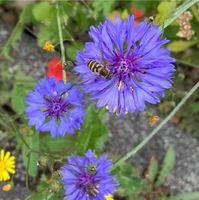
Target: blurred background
{"x": 26, "y": 26}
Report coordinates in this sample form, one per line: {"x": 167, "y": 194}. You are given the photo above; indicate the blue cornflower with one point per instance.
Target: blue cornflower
{"x": 139, "y": 68}
{"x": 55, "y": 107}
{"x": 88, "y": 177}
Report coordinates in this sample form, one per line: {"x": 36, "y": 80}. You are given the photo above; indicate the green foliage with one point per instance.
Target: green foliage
{"x": 22, "y": 85}
{"x": 104, "y": 7}
{"x": 130, "y": 182}
{"x": 57, "y": 145}
{"x": 30, "y": 149}
{"x": 18, "y": 99}
{"x": 181, "y": 45}
{"x": 43, "y": 193}
{"x": 93, "y": 134}
{"x": 152, "y": 170}
{"x": 41, "y": 10}
{"x": 25, "y": 17}
{"x": 167, "y": 166}
{"x": 185, "y": 196}
{"x": 164, "y": 10}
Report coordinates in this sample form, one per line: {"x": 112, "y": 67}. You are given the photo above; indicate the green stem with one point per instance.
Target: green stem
{"x": 187, "y": 63}
{"x": 155, "y": 131}
{"x": 61, "y": 41}
{"x": 182, "y": 8}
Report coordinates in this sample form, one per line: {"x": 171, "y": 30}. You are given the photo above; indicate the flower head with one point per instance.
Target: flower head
{"x": 48, "y": 46}
{"x": 7, "y": 165}
{"x": 7, "y": 187}
{"x": 55, "y": 69}
{"x": 141, "y": 69}
{"x": 88, "y": 178}
{"x": 55, "y": 107}
{"x": 153, "y": 119}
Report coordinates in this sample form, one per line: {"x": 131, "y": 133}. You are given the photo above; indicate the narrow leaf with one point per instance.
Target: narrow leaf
{"x": 18, "y": 95}
{"x": 185, "y": 196}
{"x": 180, "y": 45}
{"x": 30, "y": 157}
{"x": 152, "y": 170}
{"x": 168, "y": 164}
{"x": 183, "y": 7}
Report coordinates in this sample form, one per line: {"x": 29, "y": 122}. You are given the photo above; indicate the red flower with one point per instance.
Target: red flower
{"x": 138, "y": 13}
{"x": 55, "y": 69}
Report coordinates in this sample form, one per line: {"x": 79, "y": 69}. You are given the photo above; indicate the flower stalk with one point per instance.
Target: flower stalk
{"x": 155, "y": 131}
{"x": 61, "y": 41}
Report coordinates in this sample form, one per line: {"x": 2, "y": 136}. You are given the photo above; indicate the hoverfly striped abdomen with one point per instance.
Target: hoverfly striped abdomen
{"x": 99, "y": 69}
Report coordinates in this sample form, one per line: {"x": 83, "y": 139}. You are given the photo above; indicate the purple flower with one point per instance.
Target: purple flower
{"x": 88, "y": 178}
{"x": 139, "y": 68}
{"x": 55, "y": 107}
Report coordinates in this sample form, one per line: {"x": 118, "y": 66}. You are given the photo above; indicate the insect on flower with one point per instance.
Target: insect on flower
{"x": 125, "y": 65}
{"x": 100, "y": 69}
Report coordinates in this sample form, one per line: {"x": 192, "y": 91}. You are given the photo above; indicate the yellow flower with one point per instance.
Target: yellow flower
{"x": 7, "y": 165}
{"x": 7, "y": 187}
{"x": 48, "y": 46}
{"x": 109, "y": 197}
{"x": 153, "y": 119}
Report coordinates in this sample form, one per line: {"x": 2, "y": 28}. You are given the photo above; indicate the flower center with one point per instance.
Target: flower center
{"x": 88, "y": 184}
{"x": 124, "y": 67}
{"x": 55, "y": 106}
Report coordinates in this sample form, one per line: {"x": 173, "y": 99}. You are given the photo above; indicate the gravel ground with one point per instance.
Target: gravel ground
{"x": 129, "y": 131}
{"x": 124, "y": 132}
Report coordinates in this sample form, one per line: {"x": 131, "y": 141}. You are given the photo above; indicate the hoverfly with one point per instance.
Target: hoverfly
{"x": 99, "y": 69}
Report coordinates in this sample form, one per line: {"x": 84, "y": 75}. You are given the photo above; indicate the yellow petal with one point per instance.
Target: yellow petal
{"x": 5, "y": 176}
{"x": 2, "y": 154}
{"x": 7, "y": 156}
{"x": 12, "y": 171}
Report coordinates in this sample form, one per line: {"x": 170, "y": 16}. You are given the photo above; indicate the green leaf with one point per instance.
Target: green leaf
{"x": 181, "y": 45}
{"x": 72, "y": 49}
{"x": 30, "y": 157}
{"x": 11, "y": 42}
{"x": 178, "y": 11}
{"x": 152, "y": 170}
{"x": 94, "y": 133}
{"x": 164, "y": 10}
{"x": 41, "y": 10}
{"x": 107, "y": 7}
{"x": 130, "y": 182}
{"x": 103, "y": 6}
{"x": 43, "y": 195}
{"x": 24, "y": 80}
{"x": 57, "y": 145}
{"x": 5, "y": 95}
{"x": 25, "y": 17}
{"x": 194, "y": 107}
{"x": 167, "y": 166}
{"x": 18, "y": 95}
{"x": 185, "y": 196}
